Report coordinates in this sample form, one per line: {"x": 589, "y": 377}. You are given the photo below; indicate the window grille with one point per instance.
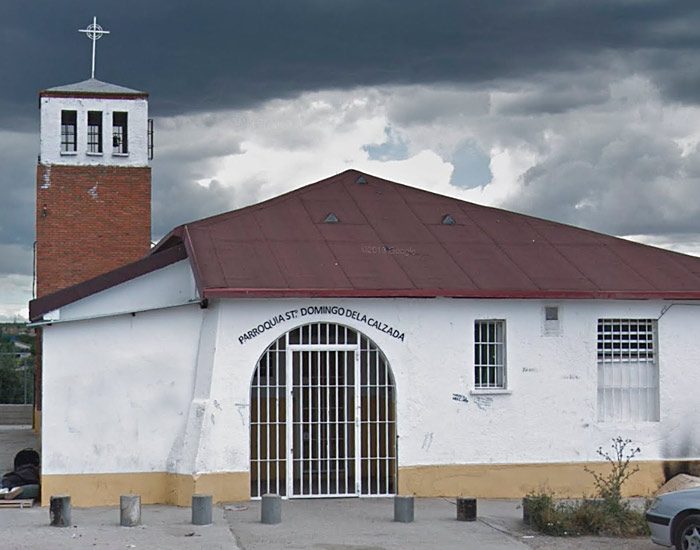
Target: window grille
{"x": 628, "y": 375}
{"x": 120, "y": 144}
{"x": 490, "y": 354}
{"x": 69, "y": 142}
{"x": 94, "y": 132}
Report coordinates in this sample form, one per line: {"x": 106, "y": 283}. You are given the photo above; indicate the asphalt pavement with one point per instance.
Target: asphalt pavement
{"x": 319, "y": 524}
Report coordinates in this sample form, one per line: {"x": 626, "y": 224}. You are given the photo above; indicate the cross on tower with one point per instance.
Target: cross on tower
{"x": 94, "y": 32}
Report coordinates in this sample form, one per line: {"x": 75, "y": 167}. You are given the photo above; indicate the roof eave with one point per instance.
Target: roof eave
{"x": 43, "y": 305}
{"x": 449, "y": 293}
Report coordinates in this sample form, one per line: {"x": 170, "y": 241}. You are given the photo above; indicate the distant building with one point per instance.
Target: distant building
{"x": 358, "y": 337}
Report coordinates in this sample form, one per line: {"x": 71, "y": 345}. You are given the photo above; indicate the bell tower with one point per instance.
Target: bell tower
{"x": 93, "y": 190}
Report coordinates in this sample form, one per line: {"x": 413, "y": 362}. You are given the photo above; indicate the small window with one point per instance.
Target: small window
{"x": 94, "y": 132}
{"x": 551, "y": 324}
{"x": 490, "y": 354}
{"x": 628, "y": 370}
{"x": 120, "y": 144}
{"x": 69, "y": 142}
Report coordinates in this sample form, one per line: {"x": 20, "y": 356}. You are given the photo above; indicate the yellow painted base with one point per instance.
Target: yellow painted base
{"x": 517, "y": 480}
{"x": 154, "y": 487}
{"x": 476, "y": 480}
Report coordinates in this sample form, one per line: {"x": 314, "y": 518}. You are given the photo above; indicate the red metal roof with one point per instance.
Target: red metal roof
{"x": 390, "y": 241}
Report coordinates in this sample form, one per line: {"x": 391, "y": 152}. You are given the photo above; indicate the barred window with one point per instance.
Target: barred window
{"x": 69, "y": 142}
{"x": 490, "y": 354}
{"x": 628, "y": 374}
{"x": 94, "y": 132}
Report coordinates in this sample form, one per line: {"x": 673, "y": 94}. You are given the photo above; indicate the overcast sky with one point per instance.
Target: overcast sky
{"x": 577, "y": 111}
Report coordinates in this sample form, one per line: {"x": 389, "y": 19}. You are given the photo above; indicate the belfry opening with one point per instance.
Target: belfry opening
{"x": 323, "y": 416}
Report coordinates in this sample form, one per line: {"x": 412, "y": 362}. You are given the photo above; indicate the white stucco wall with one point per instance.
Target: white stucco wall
{"x": 137, "y": 131}
{"x": 117, "y": 391}
{"x": 182, "y": 378}
{"x": 166, "y": 287}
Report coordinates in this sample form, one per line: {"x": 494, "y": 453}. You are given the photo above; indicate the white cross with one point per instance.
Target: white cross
{"x": 94, "y": 32}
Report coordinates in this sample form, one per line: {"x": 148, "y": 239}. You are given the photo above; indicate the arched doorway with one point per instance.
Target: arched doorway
{"x": 323, "y": 416}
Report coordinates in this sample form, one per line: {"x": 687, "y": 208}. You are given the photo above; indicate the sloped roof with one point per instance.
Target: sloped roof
{"x": 91, "y": 86}
{"x": 392, "y": 240}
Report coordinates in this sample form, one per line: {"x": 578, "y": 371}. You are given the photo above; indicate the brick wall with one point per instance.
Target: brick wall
{"x": 89, "y": 220}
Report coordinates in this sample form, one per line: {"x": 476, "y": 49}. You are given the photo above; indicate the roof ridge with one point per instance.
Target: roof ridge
{"x": 211, "y": 220}
{"x": 267, "y": 202}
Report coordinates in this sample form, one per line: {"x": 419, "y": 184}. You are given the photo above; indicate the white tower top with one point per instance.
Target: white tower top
{"x": 94, "y": 32}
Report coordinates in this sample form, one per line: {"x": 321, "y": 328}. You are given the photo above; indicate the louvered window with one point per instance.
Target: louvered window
{"x": 628, "y": 373}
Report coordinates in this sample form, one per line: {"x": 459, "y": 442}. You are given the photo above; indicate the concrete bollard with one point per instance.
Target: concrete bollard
{"x": 466, "y": 509}
{"x": 271, "y": 510}
{"x": 403, "y": 509}
{"x": 59, "y": 511}
{"x": 129, "y": 510}
{"x": 201, "y": 509}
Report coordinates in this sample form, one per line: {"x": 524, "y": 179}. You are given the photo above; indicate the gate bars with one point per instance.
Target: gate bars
{"x": 323, "y": 416}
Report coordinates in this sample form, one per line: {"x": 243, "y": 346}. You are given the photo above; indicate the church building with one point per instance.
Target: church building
{"x": 355, "y": 337}
{"x": 359, "y": 337}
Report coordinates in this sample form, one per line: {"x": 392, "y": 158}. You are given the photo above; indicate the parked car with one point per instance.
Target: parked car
{"x": 674, "y": 519}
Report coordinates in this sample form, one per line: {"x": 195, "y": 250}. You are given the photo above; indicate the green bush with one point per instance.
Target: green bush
{"x": 583, "y": 517}
{"x": 608, "y": 514}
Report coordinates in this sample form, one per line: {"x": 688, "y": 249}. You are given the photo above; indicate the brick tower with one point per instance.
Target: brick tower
{"x": 93, "y": 194}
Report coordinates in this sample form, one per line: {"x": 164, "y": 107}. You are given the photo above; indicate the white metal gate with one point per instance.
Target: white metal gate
{"x": 323, "y": 416}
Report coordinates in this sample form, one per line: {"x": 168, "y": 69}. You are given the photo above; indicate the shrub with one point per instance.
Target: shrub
{"x": 609, "y": 486}
{"x": 607, "y": 514}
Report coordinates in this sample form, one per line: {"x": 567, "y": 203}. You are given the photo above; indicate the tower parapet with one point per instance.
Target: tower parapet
{"x": 95, "y": 123}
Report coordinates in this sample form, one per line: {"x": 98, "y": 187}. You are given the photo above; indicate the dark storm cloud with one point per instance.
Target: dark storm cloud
{"x": 619, "y": 181}
{"x": 178, "y": 199}
{"x": 204, "y": 56}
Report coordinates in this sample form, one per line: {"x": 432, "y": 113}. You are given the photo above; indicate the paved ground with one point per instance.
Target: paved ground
{"x": 336, "y": 524}
{"x": 354, "y": 524}
{"x": 364, "y": 524}
{"x": 165, "y": 527}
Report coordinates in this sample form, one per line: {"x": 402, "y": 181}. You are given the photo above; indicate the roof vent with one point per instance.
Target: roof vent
{"x": 331, "y": 218}
{"x": 361, "y": 180}
{"x": 448, "y": 220}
